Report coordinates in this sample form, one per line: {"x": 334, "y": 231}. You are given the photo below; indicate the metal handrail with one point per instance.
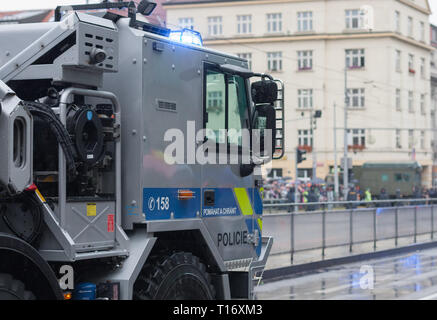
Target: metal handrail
{"x": 359, "y": 202}
{"x": 416, "y": 209}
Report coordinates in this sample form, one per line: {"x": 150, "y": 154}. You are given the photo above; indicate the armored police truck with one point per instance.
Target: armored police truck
{"x": 105, "y": 192}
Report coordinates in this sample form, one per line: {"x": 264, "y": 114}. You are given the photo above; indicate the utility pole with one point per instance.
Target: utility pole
{"x": 296, "y": 191}
{"x": 346, "y": 162}
{"x": 312, "y": 145}
{"x": 300, "y": 156}
{"x": 336, "y": 189}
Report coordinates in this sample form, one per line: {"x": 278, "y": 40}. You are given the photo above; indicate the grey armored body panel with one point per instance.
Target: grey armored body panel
{"x": 15, "y": 141}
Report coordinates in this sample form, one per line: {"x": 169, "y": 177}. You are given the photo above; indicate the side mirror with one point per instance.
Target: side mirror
{"x": 146, "y": 7}
{"x": 264, "y": 91}
{"x": 265, "y": 123}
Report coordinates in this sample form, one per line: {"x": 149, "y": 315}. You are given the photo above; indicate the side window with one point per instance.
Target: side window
{"x": 215, "y": 105}
{"x": 237, "y": 101}
{"x": 225, "y": 106}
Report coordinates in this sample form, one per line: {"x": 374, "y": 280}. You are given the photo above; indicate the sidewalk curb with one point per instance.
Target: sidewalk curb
{"x": 273, "y": 274}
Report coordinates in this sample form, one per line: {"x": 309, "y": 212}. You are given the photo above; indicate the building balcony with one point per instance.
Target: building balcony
{"x": 356, "y": 147}
{"x": 216, "y": 109}
{"x": 305, "y": 69}
{"x": 306, "y": 148}
{"x": 355, "y": 67}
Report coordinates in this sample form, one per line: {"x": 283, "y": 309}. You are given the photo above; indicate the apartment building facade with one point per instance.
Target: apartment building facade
{"x": 433, "y": 65}
{"x": 384, "y": 46}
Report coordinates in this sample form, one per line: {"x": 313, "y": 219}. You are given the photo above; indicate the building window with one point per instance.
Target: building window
{"x": 434, "y": 34}
{"x": 410, "y": 26}
{"x": 356, "y": 137}
{"x": 305, "y": 21}
{"x": 244, "y": 24}
{"x": 410, "y": 101}
{"x": 411, "y": 64}
{"x": 215, "y": 27}
{"x": 274, "y": 22}
{"x": 422, "y": 31}
{"x": 354, "y": 19}
{"x": 356, "y": 98}
{"x": 215, "y": 101}
{"x": 410, "y": 139}
{"x": 248, "y": 57}
{"x": 274, "y": 61}
{"x": 274, "y": 173}
{"x": 398, "y": 61}
{"x": 398, "y": 100}
{"x": 187, "y": 23}
{"x": 305, "y": 98}
{"x": 398, "y": 139}
{"x": 422, "y": 67}
{"x": 305, "y": 138}
{"x": 355, "y": 58}
{"x": 422, "y": 139}
{"x": 305, "y": 60}
{"x": 422, "y": 104}
{"x": 397, "y": 21}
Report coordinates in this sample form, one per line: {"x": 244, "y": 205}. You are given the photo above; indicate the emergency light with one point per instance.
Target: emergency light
{"x": 187, "y": 36}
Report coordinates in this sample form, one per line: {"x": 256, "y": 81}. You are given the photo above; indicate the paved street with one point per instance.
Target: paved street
{"x": 408, "y": 276}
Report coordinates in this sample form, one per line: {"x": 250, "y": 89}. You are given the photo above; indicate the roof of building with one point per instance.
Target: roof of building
{"x": 159, "y": 15}
{"x": 28, "y": 16}
{"x": 31, "y": 16}
{"x": 175, "y": 2}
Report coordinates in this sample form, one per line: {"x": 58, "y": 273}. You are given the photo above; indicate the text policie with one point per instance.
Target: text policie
{"x": 235, "y": 238}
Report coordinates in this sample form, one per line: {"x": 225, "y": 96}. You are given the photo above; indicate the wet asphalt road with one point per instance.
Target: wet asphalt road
{"x": 409, "y": 276}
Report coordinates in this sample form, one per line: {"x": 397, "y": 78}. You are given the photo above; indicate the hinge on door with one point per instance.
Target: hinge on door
{"x": 253, "y": 237}
{"x": 258, "y": 183}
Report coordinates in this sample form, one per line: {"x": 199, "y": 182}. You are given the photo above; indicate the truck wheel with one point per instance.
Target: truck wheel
{"x": 178, "y": 276}
{"x": 12, "y": 289}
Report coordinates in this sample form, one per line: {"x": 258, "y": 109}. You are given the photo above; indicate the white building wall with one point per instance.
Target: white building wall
{"x": 328, "y": 41}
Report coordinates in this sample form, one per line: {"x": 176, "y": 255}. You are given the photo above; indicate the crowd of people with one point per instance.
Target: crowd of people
{"x": 284, "y": 191}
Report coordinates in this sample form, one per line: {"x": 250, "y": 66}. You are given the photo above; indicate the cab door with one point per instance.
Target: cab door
{"x": 228, "y": 195}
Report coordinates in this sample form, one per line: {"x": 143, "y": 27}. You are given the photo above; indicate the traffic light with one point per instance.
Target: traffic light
{"x": 300, "y": 155}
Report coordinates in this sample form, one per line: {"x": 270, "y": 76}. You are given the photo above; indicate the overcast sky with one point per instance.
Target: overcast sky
{"x": 7, "y": 5}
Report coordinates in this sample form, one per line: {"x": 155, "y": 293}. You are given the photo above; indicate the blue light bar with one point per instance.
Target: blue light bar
{"x": 187, "y": 36}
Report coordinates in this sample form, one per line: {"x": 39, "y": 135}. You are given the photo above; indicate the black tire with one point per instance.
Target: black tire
{"x": 12, "y": 289}
{"x": 177, "y": 276}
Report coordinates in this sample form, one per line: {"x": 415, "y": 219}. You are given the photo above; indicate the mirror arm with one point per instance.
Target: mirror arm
{"x": 263, "y": 76}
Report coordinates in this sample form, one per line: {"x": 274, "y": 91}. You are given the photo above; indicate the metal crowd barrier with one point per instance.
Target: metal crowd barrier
{"x": 342, "y": 223}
